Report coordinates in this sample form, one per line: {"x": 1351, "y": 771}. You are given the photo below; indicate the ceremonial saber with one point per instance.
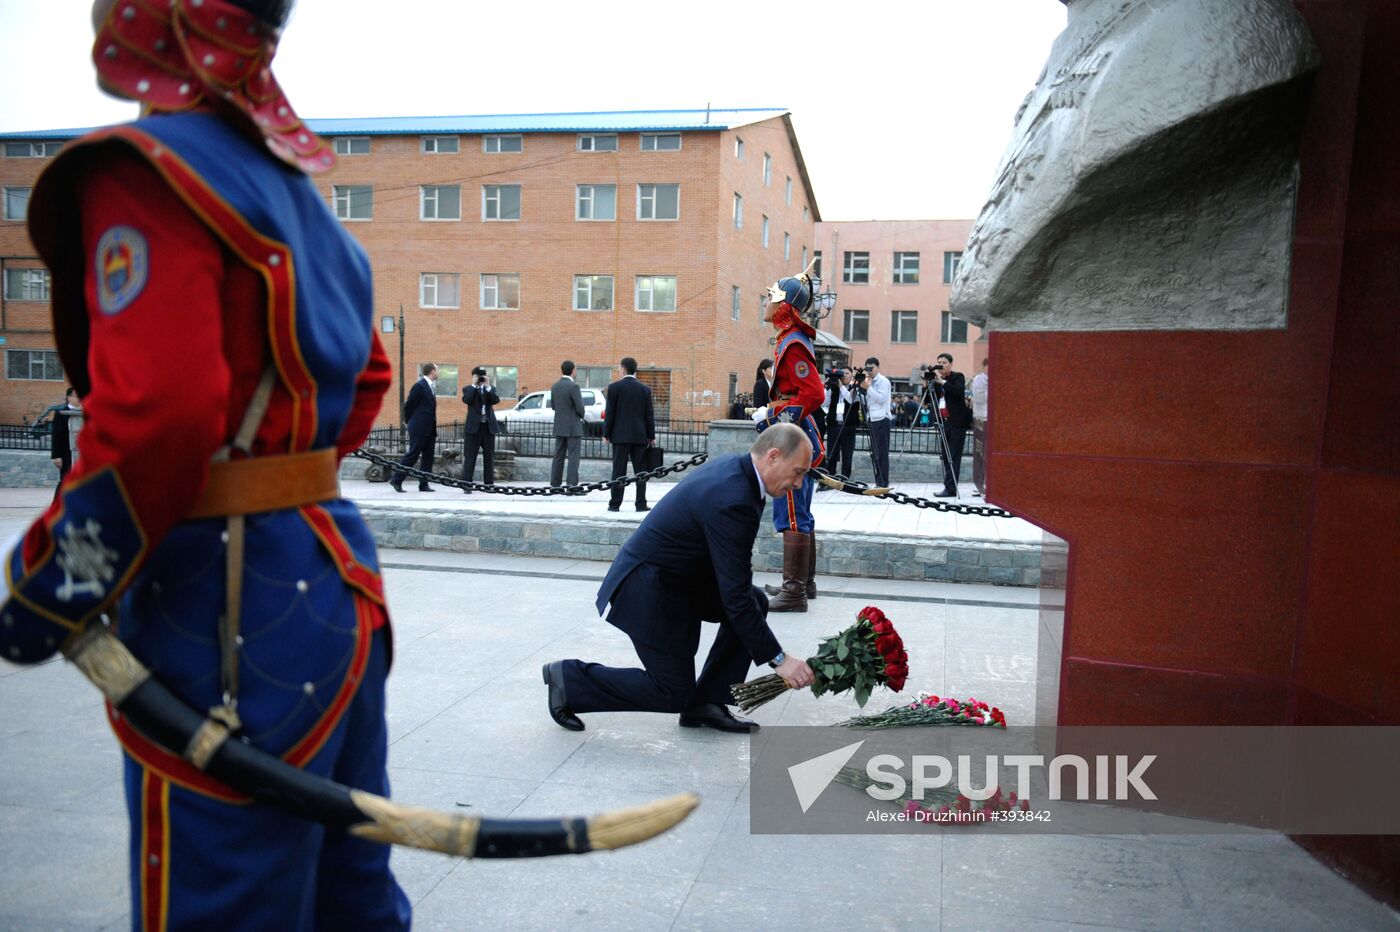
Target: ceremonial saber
{"x": 842, "y": 485}
{"x": 205, "y": 742}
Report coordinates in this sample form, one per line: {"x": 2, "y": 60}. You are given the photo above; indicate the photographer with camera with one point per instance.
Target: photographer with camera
{"x": 877, "y": 409}
{"x": 842, "y": 420}
{"x": 481, "y": 429}
{"x": 951, "y": 388}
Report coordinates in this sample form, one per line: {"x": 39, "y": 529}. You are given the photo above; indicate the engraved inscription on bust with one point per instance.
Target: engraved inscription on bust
{"x": 1150, "y": 178}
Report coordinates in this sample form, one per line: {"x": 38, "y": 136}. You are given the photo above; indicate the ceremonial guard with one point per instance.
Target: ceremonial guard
{"x": 205, "y": 520}
{"x": 797, "y": 394}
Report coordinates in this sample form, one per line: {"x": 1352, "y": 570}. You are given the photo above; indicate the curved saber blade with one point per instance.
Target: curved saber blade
{"x": 165, "y": 718}
{"x": 850, "y": 488}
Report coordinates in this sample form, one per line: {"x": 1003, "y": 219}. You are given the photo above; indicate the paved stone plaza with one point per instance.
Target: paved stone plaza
{"x": 469, "y": 729}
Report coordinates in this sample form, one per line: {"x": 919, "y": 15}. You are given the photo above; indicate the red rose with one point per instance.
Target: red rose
{"x": 881, "y": 627}
{"x": 888, "y": 646}
{"x": 895, "y": 676}
{"x": 871, "y": 614}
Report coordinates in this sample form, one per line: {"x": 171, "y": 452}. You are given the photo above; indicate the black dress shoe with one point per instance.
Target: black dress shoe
{"x": 466, "y": 491}
{"x": 426, "y": 488}
{"x": 945, "y": 494}
{"x": 396, "y": 486}
{"x": 614, "y": 508}
{"x": 644, "y": 508}
{"x": 715, "y": 715}
{"x": 558, "y": 702}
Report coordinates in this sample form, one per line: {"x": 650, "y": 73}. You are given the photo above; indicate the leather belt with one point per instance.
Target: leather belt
{"x": 268, "y": 483}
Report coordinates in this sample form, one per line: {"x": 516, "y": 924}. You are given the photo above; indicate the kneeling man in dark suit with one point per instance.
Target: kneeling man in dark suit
{"x": 691, "y": 561}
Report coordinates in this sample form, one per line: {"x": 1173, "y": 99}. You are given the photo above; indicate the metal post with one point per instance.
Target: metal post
{"x": 403, "y": 427}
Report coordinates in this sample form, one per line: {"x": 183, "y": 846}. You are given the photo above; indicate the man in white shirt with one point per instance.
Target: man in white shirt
{"x": 877, "y": 399}
{"x": 979, "y": 429}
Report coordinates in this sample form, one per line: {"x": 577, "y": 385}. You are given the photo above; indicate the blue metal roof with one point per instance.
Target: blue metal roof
{"x": 602, "y": 121}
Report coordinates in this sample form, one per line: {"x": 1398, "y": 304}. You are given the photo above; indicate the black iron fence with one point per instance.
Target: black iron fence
{"x": 24, "y": 437}
{"x": 536, "y": 438}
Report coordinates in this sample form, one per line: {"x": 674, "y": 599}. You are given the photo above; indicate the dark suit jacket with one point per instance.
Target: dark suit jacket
{"x": 691, "y": 561}
{"x": 629, "y": 416}
{"x": 954, "y": 392}
{"x": 567, "y": 399}
{"x": 473, "y": 397}
{"x": 60, "y": 438}
{"x": 420, "y": 412}
{"x": 760, "y": 392}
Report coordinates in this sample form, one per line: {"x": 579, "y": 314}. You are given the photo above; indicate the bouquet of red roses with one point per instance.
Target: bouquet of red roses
{"x": 869, "y": 653}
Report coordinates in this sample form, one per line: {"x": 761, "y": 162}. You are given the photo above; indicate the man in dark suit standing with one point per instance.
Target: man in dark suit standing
{"x": 951, "y": 389}
{"x": 420, "y": 414}
{"x": 629, "y": 424}
{"x": 567, "y": 400}
{"x": 481, "y": 428}
{"x": 61, "y": 443}
{"x": 690, "y": 561}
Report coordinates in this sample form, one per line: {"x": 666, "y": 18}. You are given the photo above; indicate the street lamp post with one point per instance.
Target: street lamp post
{"x": 386, "y": 325}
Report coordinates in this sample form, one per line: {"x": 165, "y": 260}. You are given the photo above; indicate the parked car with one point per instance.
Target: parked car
{"x": 537, "y": 407}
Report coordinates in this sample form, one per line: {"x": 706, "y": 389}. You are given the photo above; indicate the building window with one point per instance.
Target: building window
{"x": 351, "y": 145}
{"x": 441, "y": 145}
{"x": 31, "y": 150}
{"x": 441, "y": 202}
{"x": 504, "y": 378}
{"x": 354, "y": 201}
{"x": 906, "y": 268}
{"x": 446, "y": 380}
{"x": 500, "y": 202}
{"x": 604, "y": 142}
{"x": 596, "y": 202}
{"x": 787, "y": 248}
{"x": 17, "y": 203}
{"x": 514, "y": 143}
{"x": 857, "y": 268}
{"x": 817, "y": 264}
{"x": 904, "y": 326}
{"x": 767, "y": 169}
{"x": 440, "y": 289}
{"x": 500, "y": 292}
{"x": 805, "y": 214}
{"x": 738, "y": 211}
{"x": 738, "y": 147}
{"x": 765, "y": 231}
{"x": 954, "y": 330}
{"x": 26, "y": 284}
{"x": 857, "y": 327}
{"x": 950, "y": 266}
{"x": 593, "y": 376}
{"x": 787, "y": 192}
{"x": 656, "y": 292}
{"x": 593, "y": 292}
{"x": 658, "y": 202}
{"x": 804, "y": 258}
{"x": 734, "y": 303}
{"x": 33, "y": 365}
{"x": 661, "y": 142}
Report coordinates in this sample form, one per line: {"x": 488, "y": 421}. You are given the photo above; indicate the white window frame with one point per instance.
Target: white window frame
{"x": 494, "y": 375}
{"x": 738, "y": 211}
{"x": 900, "y": 270}
{"x": 584, "y": 283}
{"x": 951, "y": 261}
{"x": 848, "y": 318}
{"x": 900, "y": 320}
{"x": 848, "y": 267}
{"x": 20, "y": 284}
{"x": 590, "y": 198}
{"x": 946, "y": 322}
{"x": 735, "y": 302}
{"x": 765, "y": 231}
{"x": 436, "y": 189}
{"x": 805, "y": 214}
{"x": 787, "y": 248}
{"x": 804, "y": 259}
{"x": 490, "y": 192}
{"x": 345, "y": 145}
{"x": 787, "y": 192}
{"x": 739, "y": 148}
{"x": 491, "y": 143}
{"x": 50, "y": 356}
{"x": 434, "y": 281}
{"x": 14, "y": 189}
{"x": 592, "y": 140}
{"x": 440, "y": 145}
{"x": 650, "y": 292}
{"x": 495, "y": 288}
{"x": 767, "y": 170}
{"x": 37, "y": 150}
{"x": 341, "y": 195}
{"x": 641, "y": 194}
{"x": 817, "y": 266}
{"x": 655, "y": 142}
{"x": 448, "y": 374}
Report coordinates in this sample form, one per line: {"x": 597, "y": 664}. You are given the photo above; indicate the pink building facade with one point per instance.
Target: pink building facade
{"x": 892, "y": 279}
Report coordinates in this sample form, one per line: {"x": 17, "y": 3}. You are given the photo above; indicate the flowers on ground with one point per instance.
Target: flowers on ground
{"x": 869, "y": 653}
{"x": 929, "y": 709}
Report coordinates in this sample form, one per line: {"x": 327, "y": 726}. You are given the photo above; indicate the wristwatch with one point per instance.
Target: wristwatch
{"x": 777, "y": 660}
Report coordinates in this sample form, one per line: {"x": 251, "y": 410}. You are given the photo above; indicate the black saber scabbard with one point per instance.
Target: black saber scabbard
{"x": 242, "y": 766}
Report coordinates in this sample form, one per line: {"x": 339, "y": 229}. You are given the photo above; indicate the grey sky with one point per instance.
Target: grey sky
{"x": 902, "y": 109}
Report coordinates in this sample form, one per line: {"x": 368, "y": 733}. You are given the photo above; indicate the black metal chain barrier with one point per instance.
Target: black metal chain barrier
{"x": 899, "y": 498}
{"x": 582, "y": 488}
{"x": 854, "y": 487}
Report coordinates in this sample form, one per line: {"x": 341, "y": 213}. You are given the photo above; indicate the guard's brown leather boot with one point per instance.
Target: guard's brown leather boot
{"x": 792, "y": 595}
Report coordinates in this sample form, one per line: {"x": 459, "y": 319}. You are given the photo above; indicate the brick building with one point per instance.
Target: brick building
{"x": 892, "y": 279}
{"x": 517, "y": 241}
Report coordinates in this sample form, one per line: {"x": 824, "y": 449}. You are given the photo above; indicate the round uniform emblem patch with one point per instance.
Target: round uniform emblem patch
{"x": 121, "y": 266}
{"x": 801, "y": 369}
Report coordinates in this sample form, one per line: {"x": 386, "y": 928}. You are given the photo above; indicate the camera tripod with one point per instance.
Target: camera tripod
{"x": 928, "y": 399}
{"x": 857, "y": 413}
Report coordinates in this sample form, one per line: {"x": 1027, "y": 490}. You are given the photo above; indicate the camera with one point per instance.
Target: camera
{"x": 480, "y": 373}
{"x": 833, "y": 376}
{"x": 928, "y": 373}
{"x": 859, "y": 376}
